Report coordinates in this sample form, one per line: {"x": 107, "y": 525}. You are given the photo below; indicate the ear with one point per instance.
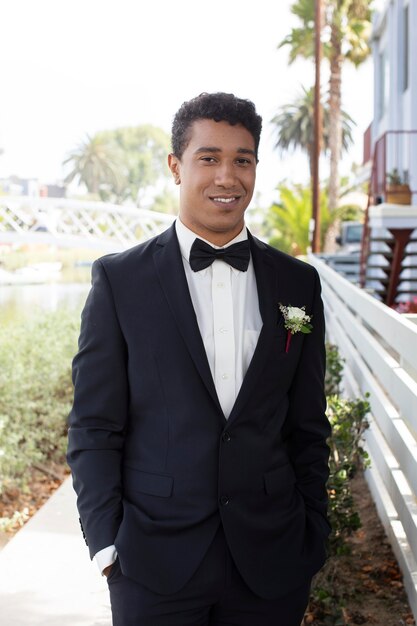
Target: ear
{"x": 174, "y": 166}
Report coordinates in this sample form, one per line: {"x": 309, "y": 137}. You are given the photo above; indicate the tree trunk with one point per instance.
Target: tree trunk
{"x": 335, "y": 130}
{"x": 310, "y": 153}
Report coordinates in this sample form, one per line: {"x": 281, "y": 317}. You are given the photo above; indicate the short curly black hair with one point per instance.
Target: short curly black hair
{"x": 220, "y": 107}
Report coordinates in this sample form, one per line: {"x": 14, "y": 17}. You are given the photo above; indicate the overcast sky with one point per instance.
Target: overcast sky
{"x": 71, "y": 67}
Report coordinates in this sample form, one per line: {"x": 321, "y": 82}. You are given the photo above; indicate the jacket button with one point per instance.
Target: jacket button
{"x": 224, "y": 500}
{"x": 226, "y": 437}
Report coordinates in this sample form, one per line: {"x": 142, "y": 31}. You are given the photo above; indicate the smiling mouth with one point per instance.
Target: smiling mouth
{"x": 225, "y": 200}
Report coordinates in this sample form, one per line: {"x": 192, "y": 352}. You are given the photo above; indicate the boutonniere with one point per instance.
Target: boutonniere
{"x": 296, "y": 320}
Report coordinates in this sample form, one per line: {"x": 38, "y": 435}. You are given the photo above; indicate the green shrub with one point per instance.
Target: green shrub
{"x": 348, "y": 420}
{"x": 35, "y": 393}
{"x": 334, "y": 370}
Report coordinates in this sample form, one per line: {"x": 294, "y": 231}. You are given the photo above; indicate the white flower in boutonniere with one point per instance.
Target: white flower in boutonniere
{"x": 296, "y": 320}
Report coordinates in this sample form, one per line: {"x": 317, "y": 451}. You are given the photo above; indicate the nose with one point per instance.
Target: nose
{"x": 225, "y": 175}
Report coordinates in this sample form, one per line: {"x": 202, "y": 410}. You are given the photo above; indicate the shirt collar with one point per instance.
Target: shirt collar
{"x": 186, "y": 238}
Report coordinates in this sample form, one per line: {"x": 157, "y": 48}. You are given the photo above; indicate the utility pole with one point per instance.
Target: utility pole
{"x": 318, "y": 128}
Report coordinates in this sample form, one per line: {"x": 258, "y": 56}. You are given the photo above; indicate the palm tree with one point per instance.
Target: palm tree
{"x": 287, "y": 223}
{"x": 142, "y": 154}
{"x": 295, "y": 126}
{"x": 94, "y": 163}
{"x": 348, "y": 29}
{"x": 122, "y": 164}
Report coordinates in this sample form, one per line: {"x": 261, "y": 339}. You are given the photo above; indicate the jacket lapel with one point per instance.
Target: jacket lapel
{"x": 170, "y": 269}
{"x": 266, "y": 282}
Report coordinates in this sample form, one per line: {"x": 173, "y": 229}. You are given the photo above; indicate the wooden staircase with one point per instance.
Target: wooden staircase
{"x": 388, "y": 260}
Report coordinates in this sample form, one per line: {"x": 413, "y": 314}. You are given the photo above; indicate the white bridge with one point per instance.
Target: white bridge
{"x": 77, "y": 224}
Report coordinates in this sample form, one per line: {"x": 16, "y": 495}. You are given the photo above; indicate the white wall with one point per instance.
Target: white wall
{"x": 400, "y": 106}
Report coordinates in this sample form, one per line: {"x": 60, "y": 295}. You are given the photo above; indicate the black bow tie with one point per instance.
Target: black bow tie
{"x": 202, "y": 255}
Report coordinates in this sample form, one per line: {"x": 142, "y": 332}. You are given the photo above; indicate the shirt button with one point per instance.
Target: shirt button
{"x": 226, "y": 437}
{"x": 224, "y": 500}
{"x": 225, "y": 376}
{"x": 223, "y": 330}
{"x": 220, "y": 285}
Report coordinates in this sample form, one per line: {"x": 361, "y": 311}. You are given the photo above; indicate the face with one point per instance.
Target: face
{"x": 217, "y": 173}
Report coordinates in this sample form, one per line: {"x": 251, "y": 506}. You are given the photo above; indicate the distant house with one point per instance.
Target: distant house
{"x": 394, "y": 127}
{"x": 32, "y": 187}
{"x": 389, "y": 242}
{"x": 52, "y": 191}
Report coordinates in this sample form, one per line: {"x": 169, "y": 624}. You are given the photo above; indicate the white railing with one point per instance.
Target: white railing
{"x": 380, "y": 350}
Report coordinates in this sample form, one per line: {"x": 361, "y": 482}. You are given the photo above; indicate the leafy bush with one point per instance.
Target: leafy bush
{"x": 334, "y": 370}
{"x": 287, "y": 222}
{"x": 35, "y": 393}
{"x": 347, "y": 455}
{"x": 348, "y": 420}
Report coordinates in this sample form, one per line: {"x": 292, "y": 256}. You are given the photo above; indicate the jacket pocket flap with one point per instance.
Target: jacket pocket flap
{"x": 279, "y": 479}
{"x": 151, "y": 484}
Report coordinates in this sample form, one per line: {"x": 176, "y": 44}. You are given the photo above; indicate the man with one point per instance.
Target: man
{"x": 198, "y": 435}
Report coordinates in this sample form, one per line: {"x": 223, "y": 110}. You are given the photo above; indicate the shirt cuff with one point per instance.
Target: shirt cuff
{"x": 105, "y": 557}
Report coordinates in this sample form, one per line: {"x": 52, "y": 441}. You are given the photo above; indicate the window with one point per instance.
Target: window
{"x": 406, "y": 46}
{"x": 383, "y": 84}
{"x": 354, "y": 233}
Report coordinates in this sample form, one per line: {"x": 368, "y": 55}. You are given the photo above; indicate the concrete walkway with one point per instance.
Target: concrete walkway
{"x": 46, "y": 576}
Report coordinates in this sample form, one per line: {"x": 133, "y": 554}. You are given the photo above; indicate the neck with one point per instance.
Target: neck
{"x": 219, "y": 239}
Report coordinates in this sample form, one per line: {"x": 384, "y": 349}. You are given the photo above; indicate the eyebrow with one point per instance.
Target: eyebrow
{"x": 215, "y": 150}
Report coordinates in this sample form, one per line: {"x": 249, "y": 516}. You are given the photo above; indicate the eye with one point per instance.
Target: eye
{"x": 243, "y": 161}
{"x": 208, "y": 159}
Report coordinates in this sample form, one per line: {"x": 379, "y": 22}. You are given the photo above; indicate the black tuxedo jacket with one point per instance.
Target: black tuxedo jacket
{"x": 156, "y": 465}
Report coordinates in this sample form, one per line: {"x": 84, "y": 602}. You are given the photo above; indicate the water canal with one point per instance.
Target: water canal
{"x": 65, "y": 291}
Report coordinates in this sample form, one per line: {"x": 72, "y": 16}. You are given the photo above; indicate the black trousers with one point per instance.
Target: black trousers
{"x": 216, "y": 595}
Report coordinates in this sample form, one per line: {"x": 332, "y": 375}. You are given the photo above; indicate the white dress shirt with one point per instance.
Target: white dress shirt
{"x": 225, "y": 301}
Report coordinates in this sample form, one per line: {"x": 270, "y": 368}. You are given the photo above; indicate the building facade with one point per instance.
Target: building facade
{"x": 395, "y": 91}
